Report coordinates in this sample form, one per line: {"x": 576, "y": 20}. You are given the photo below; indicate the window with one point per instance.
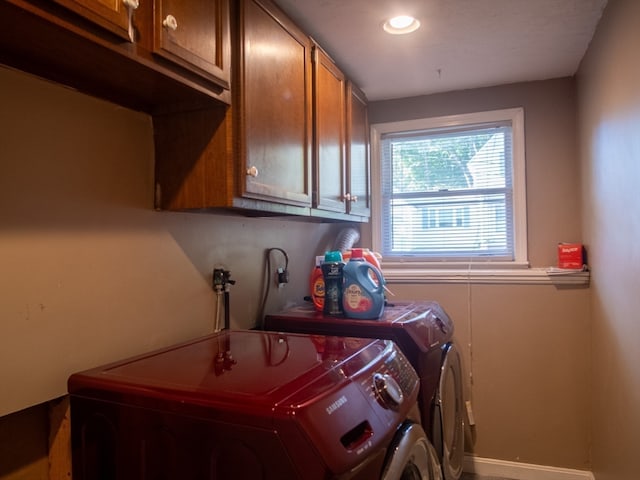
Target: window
{"x": 451, "y": 190}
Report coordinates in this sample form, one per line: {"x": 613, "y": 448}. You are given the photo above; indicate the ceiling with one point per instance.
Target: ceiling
{"x": 461, "y": 44}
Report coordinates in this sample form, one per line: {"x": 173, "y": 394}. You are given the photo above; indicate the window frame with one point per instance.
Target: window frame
{"x": 416, "y": 269}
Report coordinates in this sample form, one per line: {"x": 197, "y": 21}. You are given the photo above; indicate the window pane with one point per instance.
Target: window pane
{"x": 457, "y": 226}
{"x": 448, "y": 193}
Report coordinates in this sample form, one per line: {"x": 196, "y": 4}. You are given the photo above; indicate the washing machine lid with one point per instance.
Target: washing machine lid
{"x": 331, "y": 401}
{"x": 414, "y": 326}
{"x": 240, "y": 368}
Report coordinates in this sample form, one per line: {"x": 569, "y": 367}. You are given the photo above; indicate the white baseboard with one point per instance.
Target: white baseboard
{"x": 521, "y": 471}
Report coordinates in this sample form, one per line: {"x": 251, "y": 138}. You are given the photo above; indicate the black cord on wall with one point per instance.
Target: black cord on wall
{"x": 280, "y": 276}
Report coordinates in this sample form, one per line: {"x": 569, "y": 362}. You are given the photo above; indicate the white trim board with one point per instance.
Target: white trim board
{"x": 522, "y": 471}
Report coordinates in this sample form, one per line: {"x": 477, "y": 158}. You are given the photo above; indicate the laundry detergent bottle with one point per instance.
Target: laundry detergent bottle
{"x": 332, "y": 271}
{"x": 362, "y": 297}
{"x": 317, "y": 285}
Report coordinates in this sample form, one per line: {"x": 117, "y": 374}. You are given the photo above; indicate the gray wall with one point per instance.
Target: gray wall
{"x": 90, "y": 272}
{"x": 527, "y": 347}
{"x": 609, "y": 99}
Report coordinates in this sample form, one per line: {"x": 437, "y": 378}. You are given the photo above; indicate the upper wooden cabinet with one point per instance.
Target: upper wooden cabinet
{"x": 341, "y": 144}
{"x": 238, "y": 114}
{"x": 195, "y": 35}
{"x": 292, "y": 109}
{"x": 358, "y": 153}
{"x": 120, "y": 50}
{"x": 257, "y": 155}
{"x": 329, "y": 113}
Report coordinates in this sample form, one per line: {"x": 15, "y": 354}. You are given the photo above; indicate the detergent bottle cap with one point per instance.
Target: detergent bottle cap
{"x": 357, "y": 254}
{"x": 333, "y": 256}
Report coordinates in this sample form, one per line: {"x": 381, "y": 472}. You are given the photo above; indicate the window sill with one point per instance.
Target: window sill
{"x": 529, "y": 276}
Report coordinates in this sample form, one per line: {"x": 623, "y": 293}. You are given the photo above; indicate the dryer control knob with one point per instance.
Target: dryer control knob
{"x": 387, "y": 390}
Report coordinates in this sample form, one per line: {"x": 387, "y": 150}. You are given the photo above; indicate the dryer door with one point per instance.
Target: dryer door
{"x": 448, "y": 425}
{"x": 411, "y": 456}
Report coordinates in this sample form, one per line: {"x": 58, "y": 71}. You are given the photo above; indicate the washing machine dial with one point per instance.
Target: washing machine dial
{"x": 387, "y": 390}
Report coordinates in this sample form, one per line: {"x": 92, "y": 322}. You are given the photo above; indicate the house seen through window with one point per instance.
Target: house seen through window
{"x": 451, "y": 189}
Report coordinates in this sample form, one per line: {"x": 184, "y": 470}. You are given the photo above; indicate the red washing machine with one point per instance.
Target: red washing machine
{"x": 424, "y": 333}
{"x": 252, "y": 405}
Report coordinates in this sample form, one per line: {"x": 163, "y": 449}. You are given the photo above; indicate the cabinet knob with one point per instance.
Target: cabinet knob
{"x": 346, "y": 197}
{"x": 170, "y": 22}
{"x": 252, "y": 171}
{"x": 132, "y": 4}
{"x": 354, "y": 198}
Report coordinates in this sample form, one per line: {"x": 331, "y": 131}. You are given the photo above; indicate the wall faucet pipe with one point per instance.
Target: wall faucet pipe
{"x": 227, "y": 307}
{"x": 216, "y": 321}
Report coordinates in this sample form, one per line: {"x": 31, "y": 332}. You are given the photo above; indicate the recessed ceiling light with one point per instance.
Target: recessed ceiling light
{"x": 401, "y": 24}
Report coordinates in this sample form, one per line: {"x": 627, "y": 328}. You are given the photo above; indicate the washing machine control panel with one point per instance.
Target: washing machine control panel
{"x": 395, "y": 381}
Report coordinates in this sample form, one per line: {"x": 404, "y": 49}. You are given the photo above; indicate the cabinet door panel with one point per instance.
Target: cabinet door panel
{"x": 329, "y": 83}
{"x": 193, "y": 34}
{"x": 112, "y": 15}
{"x": 276, "y": 106}
{"x": 358, "y": 153}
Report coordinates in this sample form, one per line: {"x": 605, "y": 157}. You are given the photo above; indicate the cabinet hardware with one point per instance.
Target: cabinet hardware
{"x": 252, "y": 171}
{"x": 131, "y": 5}
{"x": 170, "y": 22}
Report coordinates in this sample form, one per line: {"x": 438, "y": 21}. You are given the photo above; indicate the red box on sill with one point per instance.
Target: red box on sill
{"x": 570, "y": 255}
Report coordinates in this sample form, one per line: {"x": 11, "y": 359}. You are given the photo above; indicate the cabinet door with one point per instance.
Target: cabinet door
{"x": 358, "y": 160}
{"x": 274, "y": 121}
{"x": 110, "y": 14}
{"x": 330, "y": 132}
{"x": 195, "y": 35}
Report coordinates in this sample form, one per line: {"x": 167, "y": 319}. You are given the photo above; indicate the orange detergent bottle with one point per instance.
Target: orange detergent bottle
{"x": 317, "y": 285}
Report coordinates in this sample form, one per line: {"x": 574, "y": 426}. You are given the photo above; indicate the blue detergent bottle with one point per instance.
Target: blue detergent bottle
{"x": 362, "y": 297}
